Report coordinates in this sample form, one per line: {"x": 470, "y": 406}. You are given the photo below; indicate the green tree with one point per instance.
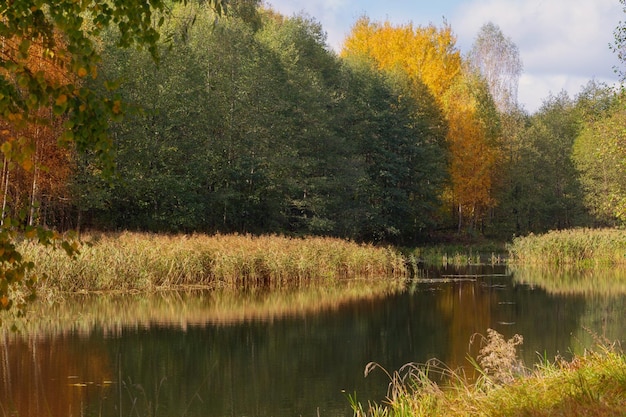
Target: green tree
{"x": 249, "y": 156}
{"x": 155, "y": 159}
{"x": 199, "y": 155}
{"x": 515, "y": 185}
{"x": 401, "y": 143}
{"x": 550, "y": 194}
{"x": 600, "y": 153}
{"x": 319, "y": 155}
{"x": 252, "y": 125}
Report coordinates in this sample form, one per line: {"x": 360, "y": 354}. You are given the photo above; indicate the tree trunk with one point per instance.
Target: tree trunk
{"x": 5, "y": 174}
{"x": 34, "y": 187}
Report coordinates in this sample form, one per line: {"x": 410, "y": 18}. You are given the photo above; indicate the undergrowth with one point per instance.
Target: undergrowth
{"x": 590, "y": 384}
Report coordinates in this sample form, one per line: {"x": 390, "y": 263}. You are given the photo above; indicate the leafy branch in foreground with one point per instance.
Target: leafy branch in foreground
{"x": 48, "y": 49}
{"x": 17, "y": 280}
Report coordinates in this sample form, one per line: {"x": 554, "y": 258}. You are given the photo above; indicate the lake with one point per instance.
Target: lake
{"x": 104, "y": 356}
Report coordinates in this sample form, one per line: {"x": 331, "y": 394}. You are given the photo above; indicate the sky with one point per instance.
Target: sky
{"x": 563, "y": 44}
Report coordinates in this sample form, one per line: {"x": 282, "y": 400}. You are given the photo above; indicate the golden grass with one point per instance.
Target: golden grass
{"x": 592, "y": 384}
{"x": 130, "y": 261}
{"x": 576, "y": 261}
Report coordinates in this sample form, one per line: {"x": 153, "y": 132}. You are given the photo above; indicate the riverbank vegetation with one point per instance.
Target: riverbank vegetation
{"x": 593, "y": 383}
{"x": 131, "y": 261}
{"x": 481, "y": 252}
{"x": 579, "y": 247}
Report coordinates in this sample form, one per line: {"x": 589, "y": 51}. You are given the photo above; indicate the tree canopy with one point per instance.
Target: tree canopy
{"x": 429, "y": 56}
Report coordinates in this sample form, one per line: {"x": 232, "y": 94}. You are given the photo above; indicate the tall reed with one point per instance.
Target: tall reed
{"x": 141, "y": 261}
{"x": 459, "y": 255}
{"x": 574, "y": 246}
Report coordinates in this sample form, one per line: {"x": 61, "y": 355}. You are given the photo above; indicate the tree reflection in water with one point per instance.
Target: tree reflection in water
{"x": 178, "y": 358}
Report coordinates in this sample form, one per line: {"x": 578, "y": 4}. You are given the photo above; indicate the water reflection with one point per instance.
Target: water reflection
{"x": 300, "y": 362}
{"x": 59, "y": 376}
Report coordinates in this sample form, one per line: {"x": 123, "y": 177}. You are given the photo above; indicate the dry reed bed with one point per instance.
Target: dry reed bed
{"x": 574, "y": 246}
{"x": 130, "y": 261}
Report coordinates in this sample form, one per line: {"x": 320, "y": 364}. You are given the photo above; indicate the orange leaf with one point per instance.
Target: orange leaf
{"x": 62, "y": 99}
{"x": 27, "y": 164}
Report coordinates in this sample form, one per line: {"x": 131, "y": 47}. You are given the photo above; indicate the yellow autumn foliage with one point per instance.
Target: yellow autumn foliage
{"x": 474, "y": 156}
{"x": 428, "y": 56}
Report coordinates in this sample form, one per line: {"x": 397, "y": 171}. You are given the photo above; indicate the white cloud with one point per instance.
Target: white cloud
{"x": 563, "y": 43}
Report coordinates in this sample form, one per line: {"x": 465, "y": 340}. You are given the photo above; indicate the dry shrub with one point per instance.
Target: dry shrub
{"x": 498, "y": 357}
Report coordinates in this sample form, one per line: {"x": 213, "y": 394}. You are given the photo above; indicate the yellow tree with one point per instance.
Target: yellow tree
{"x": 473, "y": 137}
{"x": 428, "y": 56}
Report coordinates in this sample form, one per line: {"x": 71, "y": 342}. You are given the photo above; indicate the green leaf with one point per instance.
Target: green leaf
{"x": 6, "y": 148}
{"x": 23, "y": 48}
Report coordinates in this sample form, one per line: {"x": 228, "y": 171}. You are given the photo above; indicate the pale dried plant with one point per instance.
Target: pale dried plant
{"x": 497, "y": 357}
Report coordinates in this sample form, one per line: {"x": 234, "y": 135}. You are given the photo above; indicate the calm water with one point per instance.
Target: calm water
{"x": 303, "y": 365}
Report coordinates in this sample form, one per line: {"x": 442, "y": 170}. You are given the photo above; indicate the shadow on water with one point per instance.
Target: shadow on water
{"x": 171, "y": 355}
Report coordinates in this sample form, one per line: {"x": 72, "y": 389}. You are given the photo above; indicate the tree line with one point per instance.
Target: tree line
{"x": 250, "y": 124}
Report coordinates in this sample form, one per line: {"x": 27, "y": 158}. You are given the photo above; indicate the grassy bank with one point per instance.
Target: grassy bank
{"x": 593, "y": 384}
{"x": 144, "y": 262}
{"x": 583, "y": 247}
{"x": 459, "y": 254}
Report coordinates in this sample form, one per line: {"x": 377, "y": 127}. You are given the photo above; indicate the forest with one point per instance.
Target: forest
{"x": 250, "y": 123}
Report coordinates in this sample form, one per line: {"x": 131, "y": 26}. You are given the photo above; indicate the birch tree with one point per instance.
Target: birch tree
{"x": 497, "y": 59}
